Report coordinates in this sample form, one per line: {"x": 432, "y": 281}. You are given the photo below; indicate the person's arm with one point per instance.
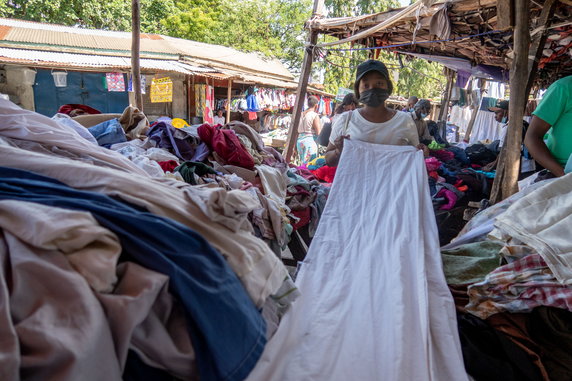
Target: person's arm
{"x": 334, "y": 151}
{"x": 426, "y": 135}
{"x": 336, "y": 142}
{"x": 534, "y": 141}
{"x": 317, "y": 125}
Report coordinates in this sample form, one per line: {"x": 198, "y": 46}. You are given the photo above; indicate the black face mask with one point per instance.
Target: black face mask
{"x": 374, "y": 97}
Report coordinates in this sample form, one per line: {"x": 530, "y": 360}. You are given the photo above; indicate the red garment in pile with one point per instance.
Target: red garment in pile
{"x": 325, "y": 173}
{"x": 227, "y": 145}
{"x": 66, "y": 109}
{"x": 304, "y": 216}
{"x": 168, "y": 166}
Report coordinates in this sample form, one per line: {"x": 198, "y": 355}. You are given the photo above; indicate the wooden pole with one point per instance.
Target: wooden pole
{"x": 189, "y": 103}
{"x": 508, "y": 168}
{"x": 135, "y": 48}
{"x": 448, "y": 89}
{"x": 228, "y": 100}
{"x": 303, "y": 83}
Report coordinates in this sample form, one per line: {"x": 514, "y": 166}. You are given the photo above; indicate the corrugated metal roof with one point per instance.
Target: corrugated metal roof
{"x": 99, "y": 48}
{"x": 85, "y": 61}
{"x": 38, "y": 36}
{"x": 229, "y": 58}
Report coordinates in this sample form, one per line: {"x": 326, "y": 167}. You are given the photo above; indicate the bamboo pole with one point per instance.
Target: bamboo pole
{"x": 508, "y": 168}
{"x": 135, "y": 49}
{"x": 303, "y": 83}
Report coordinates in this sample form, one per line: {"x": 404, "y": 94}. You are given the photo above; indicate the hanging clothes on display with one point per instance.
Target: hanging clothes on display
{"x": 374, "y": 303}
{"x": 115, "y": 82}
{"x": 143, "y": 84}
{"x": 200, "y": 99}
{"x": 208, "y": 114}
{"x": 272, "y": 122}
{"x": 251, "y": 101}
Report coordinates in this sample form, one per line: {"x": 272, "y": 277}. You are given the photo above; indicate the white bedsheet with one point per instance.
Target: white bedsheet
{"x": 374, "y": 304}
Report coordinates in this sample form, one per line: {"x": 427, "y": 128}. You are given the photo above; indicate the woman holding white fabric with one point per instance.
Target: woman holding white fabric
{"x": 373, "y": 123}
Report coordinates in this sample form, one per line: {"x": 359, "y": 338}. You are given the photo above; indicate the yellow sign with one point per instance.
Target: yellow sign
{"x": 161, "y": 90}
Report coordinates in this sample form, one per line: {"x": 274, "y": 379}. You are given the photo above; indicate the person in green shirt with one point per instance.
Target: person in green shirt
{"x": 552, "y": 117}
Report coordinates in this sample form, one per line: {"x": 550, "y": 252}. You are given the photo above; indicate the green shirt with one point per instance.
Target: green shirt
{"x": 556, "y": 110}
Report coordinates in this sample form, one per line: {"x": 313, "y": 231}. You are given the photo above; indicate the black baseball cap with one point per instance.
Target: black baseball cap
{"x": 500, "y": 106}
{"x": 369, "y": 66}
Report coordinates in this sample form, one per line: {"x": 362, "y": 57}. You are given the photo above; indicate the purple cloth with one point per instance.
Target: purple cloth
{"x": 201, "y": 153}
{"x": 462, "y": 78}
{"x": 175, "y": 141}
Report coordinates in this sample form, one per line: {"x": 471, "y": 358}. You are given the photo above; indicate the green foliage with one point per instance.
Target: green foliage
{"x": 274, "y": 27}
{"x": 108, "y": 14}
{"x": 421, "y": 78}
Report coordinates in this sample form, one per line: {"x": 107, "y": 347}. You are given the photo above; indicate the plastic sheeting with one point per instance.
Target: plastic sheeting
{"x": 374, "y": 304}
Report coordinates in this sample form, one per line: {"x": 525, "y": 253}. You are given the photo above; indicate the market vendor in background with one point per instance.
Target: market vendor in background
{"x": 552, "y": 117}
{"x": 219, "y": 118}
{"x": 411, "y": 102}
{"x": 527, "y": 165}
{"x": 421, "y": 110}
{"x": 373, "y": 123}
{"x": 501, "y": 116}
{"x": 308, "y": 131}
{"x": 349, "y": 103}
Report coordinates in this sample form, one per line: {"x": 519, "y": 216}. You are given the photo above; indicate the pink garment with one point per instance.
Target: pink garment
{"x": 432, "y": 164}
{"x": 208, "y": 114}
{"x": 450, "y": 196}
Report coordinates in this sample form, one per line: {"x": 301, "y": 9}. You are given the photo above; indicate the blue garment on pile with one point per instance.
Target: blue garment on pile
{"x": 460, "y": 154}
{"x": 227, "y": 331}
{"x": 108, "y": 133}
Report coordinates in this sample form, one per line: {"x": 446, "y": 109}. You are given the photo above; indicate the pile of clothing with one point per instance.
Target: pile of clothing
{"x": 456, "y": 172}
{"x": 510, "y": 272}
{"x": 111, "y": 268}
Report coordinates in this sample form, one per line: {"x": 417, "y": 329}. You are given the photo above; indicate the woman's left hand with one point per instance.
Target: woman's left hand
{"x": 423, "y": 148}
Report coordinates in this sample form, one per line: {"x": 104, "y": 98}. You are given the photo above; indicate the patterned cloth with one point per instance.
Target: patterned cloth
{"x": 115, "y": 81}
{"x": 519, "y": 286}
{"x": 307, "y": 148}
